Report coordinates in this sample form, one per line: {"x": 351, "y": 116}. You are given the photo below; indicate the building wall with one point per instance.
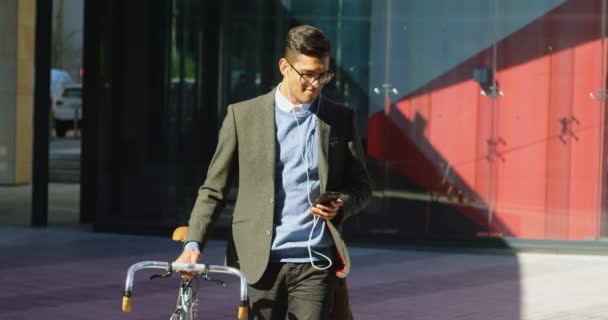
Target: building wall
{"x": 16, "y": 90}
{"x": 25, "y": 90}
{"x": 525, "y": 163}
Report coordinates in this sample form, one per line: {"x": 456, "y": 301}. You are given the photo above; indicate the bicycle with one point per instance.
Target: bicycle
{"x": 187, "y": 301}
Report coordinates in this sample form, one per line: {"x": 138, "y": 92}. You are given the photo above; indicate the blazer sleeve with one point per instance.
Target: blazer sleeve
{"x": 356, "y": 181}
{"x": 211, "y": 197}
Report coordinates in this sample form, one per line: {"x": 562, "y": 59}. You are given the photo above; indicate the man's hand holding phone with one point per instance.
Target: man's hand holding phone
{"x": 327, "y": 205}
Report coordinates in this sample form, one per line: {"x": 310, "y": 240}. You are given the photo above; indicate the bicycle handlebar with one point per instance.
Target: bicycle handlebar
{"x": 187, "y": 267}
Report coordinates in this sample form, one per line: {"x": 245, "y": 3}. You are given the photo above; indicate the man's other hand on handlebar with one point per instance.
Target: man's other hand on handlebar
{"x": 191, "y": 254}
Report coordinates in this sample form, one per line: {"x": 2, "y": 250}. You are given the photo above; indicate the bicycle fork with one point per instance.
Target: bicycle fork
{"x": 186, "y": 307}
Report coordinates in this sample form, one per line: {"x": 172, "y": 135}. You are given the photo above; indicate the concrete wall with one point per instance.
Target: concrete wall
{"x": 17, "y": 21}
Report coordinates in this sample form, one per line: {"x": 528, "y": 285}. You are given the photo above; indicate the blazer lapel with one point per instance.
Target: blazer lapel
{"x": 324, "y": 130}
{"x": 267, "y": 143}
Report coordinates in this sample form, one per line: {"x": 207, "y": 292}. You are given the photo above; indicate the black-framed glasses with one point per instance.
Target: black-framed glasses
{"x": 310, "y": 77}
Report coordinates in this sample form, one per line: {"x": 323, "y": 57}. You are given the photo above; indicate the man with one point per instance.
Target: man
{"x": 286, "y": 148}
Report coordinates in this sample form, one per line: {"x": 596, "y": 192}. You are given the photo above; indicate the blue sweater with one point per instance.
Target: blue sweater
{"x": 292, "y": 220}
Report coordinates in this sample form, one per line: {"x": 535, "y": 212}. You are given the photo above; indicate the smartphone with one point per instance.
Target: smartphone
{"x": 329, "y": 196}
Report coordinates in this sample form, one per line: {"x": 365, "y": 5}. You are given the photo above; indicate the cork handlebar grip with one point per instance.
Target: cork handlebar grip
{"x": 126, "y": 304}
{"x": 242, "y": 313}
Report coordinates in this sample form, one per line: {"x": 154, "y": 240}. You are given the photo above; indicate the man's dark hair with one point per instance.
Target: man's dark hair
{"x": 306, "y": 40}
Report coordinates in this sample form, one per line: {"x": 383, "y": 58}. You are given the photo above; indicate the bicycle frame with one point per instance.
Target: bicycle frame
{"x": 170, "y": 267}
{"x": 186, "y": 307}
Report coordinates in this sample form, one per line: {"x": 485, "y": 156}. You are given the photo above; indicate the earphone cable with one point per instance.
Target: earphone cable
{"x": 306, "y": 163}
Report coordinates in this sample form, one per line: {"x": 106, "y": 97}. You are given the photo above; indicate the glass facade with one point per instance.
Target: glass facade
{"x": 479, "y": 118}
{"x": 491, "y": 121}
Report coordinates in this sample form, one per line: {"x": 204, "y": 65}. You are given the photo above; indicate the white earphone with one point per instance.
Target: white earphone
{"x": 302, "y": 153}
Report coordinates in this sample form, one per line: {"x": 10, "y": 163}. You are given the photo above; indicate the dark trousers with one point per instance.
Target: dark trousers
{"x": 340, "y": 309}
{"x": 292, "y": 291}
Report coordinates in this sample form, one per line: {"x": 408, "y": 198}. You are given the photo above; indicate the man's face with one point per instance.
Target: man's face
{"x": 300, "y": 89}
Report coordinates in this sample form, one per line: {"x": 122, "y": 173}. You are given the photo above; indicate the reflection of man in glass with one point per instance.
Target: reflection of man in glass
{"x": 286, "y": 148}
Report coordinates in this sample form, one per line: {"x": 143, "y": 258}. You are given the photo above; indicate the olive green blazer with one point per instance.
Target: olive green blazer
{"x": 246, "y": 150}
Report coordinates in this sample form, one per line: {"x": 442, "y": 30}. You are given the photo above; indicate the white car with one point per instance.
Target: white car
{"x": 67, "y": 109}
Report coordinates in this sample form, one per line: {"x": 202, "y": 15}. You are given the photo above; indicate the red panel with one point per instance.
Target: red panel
{"x": 585, "y": 177}
{"x": 452, "y": 128}
{"x": 375, "y": 136}
{"x": 559, "y": 147}
{"x": 484, "y": 136}
{"x": 521, "y": 140}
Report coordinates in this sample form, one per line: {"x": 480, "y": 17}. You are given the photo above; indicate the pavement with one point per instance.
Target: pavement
{"x": 63, "y": 205}
{"x": 66, "y": 271}
{"x": 70, "y": 273}
{"x": 63, "y": 196}
{"x": 64, "y": 160}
